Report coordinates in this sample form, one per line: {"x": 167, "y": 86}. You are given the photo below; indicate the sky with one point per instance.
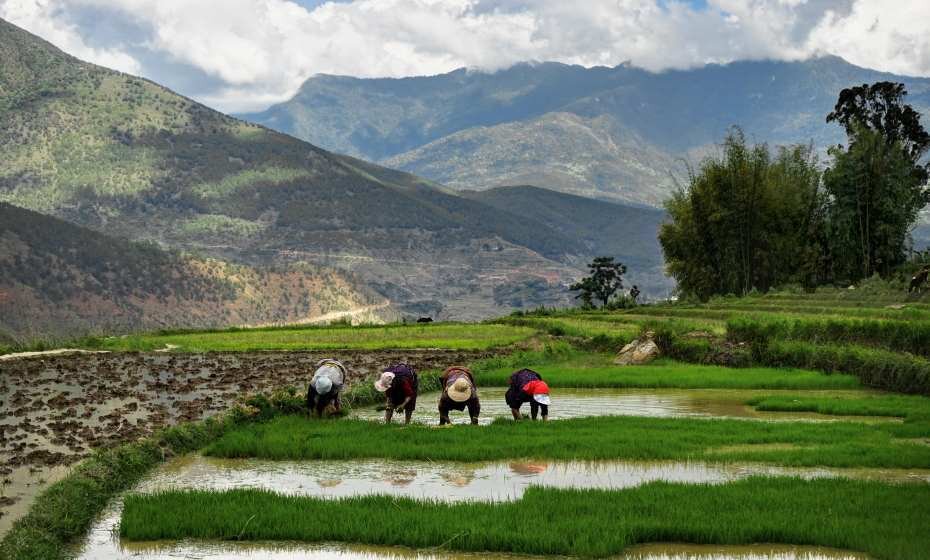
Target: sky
{"x": 244, "y": 55}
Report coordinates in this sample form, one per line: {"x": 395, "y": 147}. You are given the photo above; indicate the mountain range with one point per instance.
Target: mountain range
{"x": 622, "y": 133}
{"x": 125, "y": 157}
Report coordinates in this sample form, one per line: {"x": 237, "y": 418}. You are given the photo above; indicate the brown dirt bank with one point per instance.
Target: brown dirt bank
{"x": 55, "y": 409}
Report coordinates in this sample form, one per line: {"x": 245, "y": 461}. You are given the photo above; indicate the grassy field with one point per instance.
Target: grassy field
{"x": 833, "y": 444}
{"x": 441, "y": 335}
{"x": 886, "y": 521}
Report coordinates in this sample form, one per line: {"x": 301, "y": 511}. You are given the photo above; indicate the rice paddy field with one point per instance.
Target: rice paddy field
{"x": 343, "y": 337}
{"x": 775, "y": 427}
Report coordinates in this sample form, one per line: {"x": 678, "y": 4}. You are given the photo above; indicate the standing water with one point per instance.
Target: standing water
{"x": 656, "y": 403}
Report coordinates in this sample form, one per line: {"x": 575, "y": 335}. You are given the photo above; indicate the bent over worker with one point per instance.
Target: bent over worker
{"x": 458, "y": 392}
{"x": 325, "y": 386}
{"x": 400, "y": 385}
{"x": 528, "y": 386}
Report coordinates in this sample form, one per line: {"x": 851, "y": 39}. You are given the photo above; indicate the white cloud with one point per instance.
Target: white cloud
{"x": 40, "y": 17}
{"x": 251, "y": 53}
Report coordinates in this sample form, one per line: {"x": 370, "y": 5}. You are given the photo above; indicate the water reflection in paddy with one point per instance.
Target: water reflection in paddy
{"x": 577, "y": 403}
{"x": 466, "y": 481}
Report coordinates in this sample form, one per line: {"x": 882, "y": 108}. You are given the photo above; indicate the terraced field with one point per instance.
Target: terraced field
{"x": 773, "y": 427}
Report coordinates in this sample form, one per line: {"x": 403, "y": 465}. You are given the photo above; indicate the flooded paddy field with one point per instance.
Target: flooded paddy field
{"x": 656, "y": 403}
{"x": 55, "y": 409}
{"x": 450, "y": 481}
{"x": 488, "y": 481}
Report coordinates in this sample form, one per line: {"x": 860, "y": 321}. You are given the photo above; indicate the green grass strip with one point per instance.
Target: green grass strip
{"x": 884, "y": 405}
{"x": 595, "y": 372}
{"x": 451, "y": 336}
{"x": 832, "y": 444}
{"x": 887, "y": 521}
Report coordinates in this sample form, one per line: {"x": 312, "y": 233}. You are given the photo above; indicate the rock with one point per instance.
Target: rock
{"x": 642, "y": 350}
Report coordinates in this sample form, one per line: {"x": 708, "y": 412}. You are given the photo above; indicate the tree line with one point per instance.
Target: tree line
{"x": 752, "y": 218}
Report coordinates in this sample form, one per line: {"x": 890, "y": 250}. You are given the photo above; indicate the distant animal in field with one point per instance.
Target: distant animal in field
{"x": 425, "y": 320}
{"x": 919, "y": 279}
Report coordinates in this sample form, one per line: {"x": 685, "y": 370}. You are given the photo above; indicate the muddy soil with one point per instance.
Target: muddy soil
{"x": 55, "y": 409}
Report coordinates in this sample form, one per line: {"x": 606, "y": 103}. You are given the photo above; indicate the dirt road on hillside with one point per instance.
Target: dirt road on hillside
{"x": 331, "y": 316}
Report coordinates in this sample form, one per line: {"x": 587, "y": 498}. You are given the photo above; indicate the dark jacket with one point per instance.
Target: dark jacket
{"x": 516, "y": 396}
{"x": 406, "y": 384}
{"x": 446, "y": 404}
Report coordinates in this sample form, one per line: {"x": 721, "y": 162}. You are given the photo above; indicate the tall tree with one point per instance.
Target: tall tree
{"x": 877, "y": 182}
{"x": 880, "y": 107}
{"x": 605, "y": 280}
{"x": 747, "y": 220}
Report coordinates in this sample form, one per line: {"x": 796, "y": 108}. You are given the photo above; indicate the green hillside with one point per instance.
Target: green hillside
{"x": 61, "y": 281}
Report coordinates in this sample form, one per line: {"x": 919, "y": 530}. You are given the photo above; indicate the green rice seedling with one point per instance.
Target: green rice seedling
{"x": 834, "y": 444}
{"x": 886, "y": 521}
{"x": 596, "y": 371}
{"x": 876, "y": 405}
{"x": 443, "y": 335}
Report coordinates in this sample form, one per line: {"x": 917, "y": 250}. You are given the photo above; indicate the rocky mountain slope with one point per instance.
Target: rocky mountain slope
{"x": 59, "y": 281}
{"x": 127, "y": 157}
{"x": 620, "y": 133}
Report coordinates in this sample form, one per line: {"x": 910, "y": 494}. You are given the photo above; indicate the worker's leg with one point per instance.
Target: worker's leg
{"x": 443, "y": 415}
{"x": 388, "y": 412}
{"x": 474, "y": 409}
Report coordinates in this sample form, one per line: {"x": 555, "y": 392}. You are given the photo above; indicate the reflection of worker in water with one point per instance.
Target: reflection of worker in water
{"x": 458, "y": 392}
{"x": 325, "y": 386}
{"x": 528, "y": 386}
{"x": 528, "y": 469}
{"x": 400, "y": 384}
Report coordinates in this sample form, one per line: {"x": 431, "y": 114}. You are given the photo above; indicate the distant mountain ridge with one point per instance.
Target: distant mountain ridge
{"x": 621, "y": 133}
{"x": 127, "y": 157}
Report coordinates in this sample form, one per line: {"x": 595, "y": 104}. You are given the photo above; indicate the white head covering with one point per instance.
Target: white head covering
{"x": 384, "y": 382}
{"x": 323, "y": 385}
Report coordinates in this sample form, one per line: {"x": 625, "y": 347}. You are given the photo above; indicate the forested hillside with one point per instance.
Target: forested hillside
{"x": 58, "y": 280}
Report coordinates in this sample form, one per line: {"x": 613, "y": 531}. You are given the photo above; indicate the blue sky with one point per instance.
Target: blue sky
{"x": 241, "y": 55}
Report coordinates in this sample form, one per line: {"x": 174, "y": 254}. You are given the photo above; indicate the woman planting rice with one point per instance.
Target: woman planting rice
{"x": 458, "y": 392}
{"x": 528, "y": 386}
{"x": 400, "y": 384}
{"x": 325, "y": 386}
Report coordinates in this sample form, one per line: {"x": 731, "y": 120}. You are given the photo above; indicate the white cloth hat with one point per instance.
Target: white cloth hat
{"x": 384, "y": 382}
{"x": 323, "y": 385}
{"x": 542, "y": 399}
{"x": 460, "y": 391}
